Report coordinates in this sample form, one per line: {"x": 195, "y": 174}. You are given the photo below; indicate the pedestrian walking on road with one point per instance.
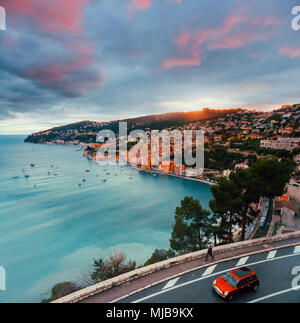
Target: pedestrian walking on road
{"x": 209, "y": 252}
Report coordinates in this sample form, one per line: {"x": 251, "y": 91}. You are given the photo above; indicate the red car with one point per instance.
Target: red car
{"x": 236, "y": 281}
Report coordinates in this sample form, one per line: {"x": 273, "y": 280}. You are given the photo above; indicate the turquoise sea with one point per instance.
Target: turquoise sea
{"x": 51, "y": 228}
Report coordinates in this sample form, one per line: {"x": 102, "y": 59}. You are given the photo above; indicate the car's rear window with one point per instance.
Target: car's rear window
{"x": 231, "y": 280}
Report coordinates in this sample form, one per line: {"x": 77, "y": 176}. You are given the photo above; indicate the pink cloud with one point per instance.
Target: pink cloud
{"x": 52, "y": 16}
{"x": 136, "y": 5}
{"x": 238, "y": 40}
{"x": 171, "y": 62}
{"x": 227, "y": 36}
{"x": 141, "y": 4}
{"x": 71, "y": 75}
{"x": 271, "y": 21}
{"x": 61, "y": 76}
{"x": 183, "y": 39}
{"x": 290, "y": 52}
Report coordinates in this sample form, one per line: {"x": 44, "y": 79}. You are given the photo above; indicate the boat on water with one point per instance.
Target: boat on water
{"x": 15, "y": 177}
{"x": 26, "y": 175}
{"x": 32, "y": 165}
{"x": 84, "y": 180}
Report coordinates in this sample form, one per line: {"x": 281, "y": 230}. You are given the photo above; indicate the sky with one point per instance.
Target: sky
{"x": 62, "y": 61}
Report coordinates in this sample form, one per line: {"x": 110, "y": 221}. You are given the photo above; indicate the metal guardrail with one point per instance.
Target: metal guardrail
{"x": 140, "y": 272}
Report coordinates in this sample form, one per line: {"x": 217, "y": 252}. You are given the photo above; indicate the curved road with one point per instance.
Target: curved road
{"x": 276, "y": 271}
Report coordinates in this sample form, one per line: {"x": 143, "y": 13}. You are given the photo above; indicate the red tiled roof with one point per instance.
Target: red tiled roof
{"x": 285, "y": 204}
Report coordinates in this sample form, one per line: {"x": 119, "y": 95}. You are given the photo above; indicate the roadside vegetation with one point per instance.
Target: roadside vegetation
{"x": 195, "y": 227}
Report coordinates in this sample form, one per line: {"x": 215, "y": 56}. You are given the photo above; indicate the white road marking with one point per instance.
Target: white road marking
{"x": 242, "y": 261}
{"x": 297, "y": 249}
{"x": 171, "y": 283}
{"x": 208, "y": 276}
{"x": 275, "y": 294}
{"x": 272, "y": 254}
{"x": 209, "y": 270}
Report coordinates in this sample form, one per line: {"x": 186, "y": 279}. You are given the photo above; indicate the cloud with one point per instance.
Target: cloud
{"x": 64, "y": 59}
{"x": 236, "y": 31}
{"x": 52, "y": 16}
{"x": 84, "y": 59}
{"x": 136, "y": 5}
{"x": 291, "y": 52}
{"x": 188, "y": 61}
{"x": 72, "y": 76}
{"x": 141, "y": 4}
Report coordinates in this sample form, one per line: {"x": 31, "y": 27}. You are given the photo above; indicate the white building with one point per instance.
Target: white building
{"x": 226, "y": 173}
{"x": 193, "y": 172}
{"x": 281, "y": 143}
{"x": 245, "y": 166}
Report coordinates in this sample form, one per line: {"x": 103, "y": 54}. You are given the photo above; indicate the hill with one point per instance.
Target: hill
{"x": 86, "y": 131}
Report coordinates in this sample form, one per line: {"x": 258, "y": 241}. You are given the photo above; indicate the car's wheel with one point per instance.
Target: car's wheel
{"x": 230, "y": 297}
{"x": 256, "y": 288}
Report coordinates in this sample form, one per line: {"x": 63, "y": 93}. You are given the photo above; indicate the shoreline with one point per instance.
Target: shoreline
{"x": 195, "y": 179}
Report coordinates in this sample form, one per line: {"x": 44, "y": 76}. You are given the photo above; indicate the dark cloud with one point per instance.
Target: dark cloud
{"x": 130, "y": 57}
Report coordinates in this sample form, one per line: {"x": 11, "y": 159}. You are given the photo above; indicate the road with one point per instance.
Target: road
{"x": 276, "y": 271}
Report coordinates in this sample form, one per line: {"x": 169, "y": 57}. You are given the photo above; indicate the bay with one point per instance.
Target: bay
{"x": 51, "y": 227}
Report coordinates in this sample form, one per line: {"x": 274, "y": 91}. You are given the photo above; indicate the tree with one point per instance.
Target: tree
{"x": 190, "y": 228}
{"x": 160, "y": 255}
{"x": 248, "y": 185}
{"x": 115, "y": 266}
{"x": 272, "y": 176}
{"x": 267, "y": 177}
{"x": 61, "y": 290}
{"x": 226, "y": 204}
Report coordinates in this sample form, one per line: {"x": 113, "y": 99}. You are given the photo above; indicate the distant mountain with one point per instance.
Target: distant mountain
{"x": 86, "y": 131}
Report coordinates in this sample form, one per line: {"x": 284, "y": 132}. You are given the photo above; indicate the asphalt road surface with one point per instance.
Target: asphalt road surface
{"x": 277, "y": 271}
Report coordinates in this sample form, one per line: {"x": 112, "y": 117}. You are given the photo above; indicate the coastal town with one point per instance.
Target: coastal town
{"x": 235, "y": 140}
{"x": 150, "y": 153}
